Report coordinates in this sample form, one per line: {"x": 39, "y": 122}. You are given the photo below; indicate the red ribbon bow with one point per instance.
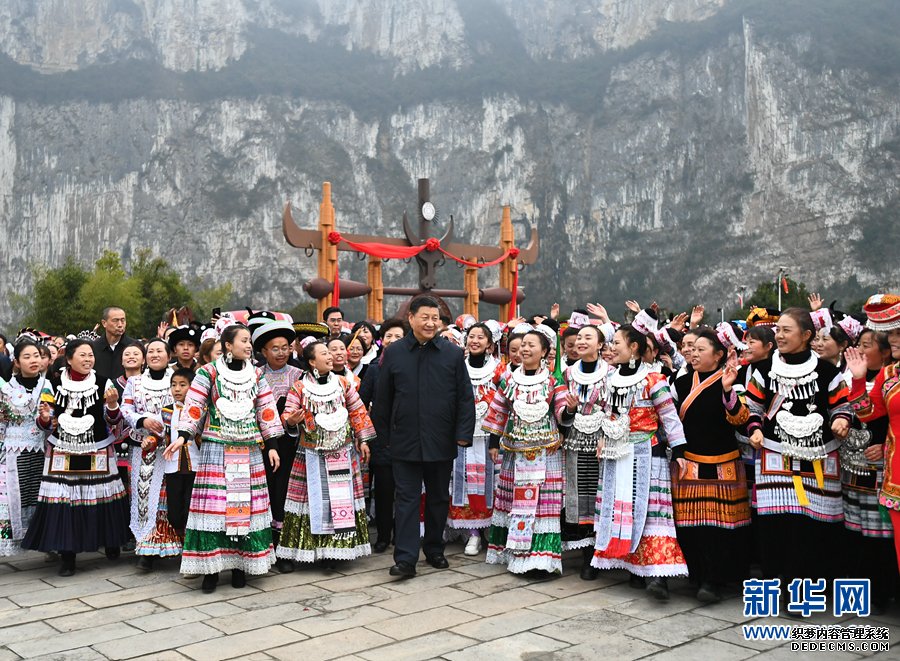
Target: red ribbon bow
{"x": 513, "y": 253}
{"x": 432, "y": 245}
{"x": 334, "y": 238}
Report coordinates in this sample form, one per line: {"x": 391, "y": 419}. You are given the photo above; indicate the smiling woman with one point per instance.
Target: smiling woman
{"x": 799, "y": 417}
{"x": 81, "y": 504}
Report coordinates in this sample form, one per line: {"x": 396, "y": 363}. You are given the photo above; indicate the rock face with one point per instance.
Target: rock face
{"x": 662, "y": 147}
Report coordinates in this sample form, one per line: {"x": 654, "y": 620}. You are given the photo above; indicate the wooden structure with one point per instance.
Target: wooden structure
{"x": 320, "y": 240}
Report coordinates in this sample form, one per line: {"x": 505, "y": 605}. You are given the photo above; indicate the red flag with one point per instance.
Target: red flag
{"x": 784, "y": 285}
{"x": 741, "y": 300}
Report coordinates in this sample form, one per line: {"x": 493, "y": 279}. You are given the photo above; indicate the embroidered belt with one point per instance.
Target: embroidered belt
{"x": 717, "y": 459}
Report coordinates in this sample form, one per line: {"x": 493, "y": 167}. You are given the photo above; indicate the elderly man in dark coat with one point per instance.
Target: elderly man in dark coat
{"x": 424, "y": 408}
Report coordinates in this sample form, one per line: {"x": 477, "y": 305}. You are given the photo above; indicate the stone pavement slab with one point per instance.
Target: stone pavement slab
{"x": 357, "y": 611}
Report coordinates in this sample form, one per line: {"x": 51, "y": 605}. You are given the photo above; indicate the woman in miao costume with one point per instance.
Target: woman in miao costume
{"x": 869, "y": 534}
{"x": 325, "y": 511}
{"x": 21, "y": 445}
{"x": 229, "y": 523}
{"x": 81, "y": 504}
{"x": 525, "y": 526}
{"x": 634, "y": 524}
{"x": 712, "y": 509}
{"x": 882, "y": 400}
{"x": 585, "y": 384}
{"x": 145, "y": 397}
{"x": 472, "y": 482}
{"x": 799, "y": 415}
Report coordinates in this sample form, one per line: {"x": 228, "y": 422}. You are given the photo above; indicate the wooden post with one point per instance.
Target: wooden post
{"x": 328, "y": 254}
{"x": 509, "y": 265}
{"x": 375, "y": 299}
{"x": 470, "y": 284}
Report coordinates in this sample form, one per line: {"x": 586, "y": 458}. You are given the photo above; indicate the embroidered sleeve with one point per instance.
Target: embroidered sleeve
{"x": 196, "y": 402}
{"x": 563, "y": 416}
{"x": 266, "y": 410}
{"x": 838, "y": 404}
{"x": 755, "y": 397}
{"x": 557, "y": 397}
{"x": 659, "y": 394}
{"x": 498, "y": 410}
{"x": 736, "y": 412}
{"x": 128, "y": 411}
{"x": 362, "y": 426}
{"x": 869, "y": 406}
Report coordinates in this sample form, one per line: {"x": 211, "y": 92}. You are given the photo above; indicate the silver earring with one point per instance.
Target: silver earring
{"x": 229, "y": 357}
{"x": 632, "y": 363}
{"x": 316, "y": 373}
{"x": 543, "y": 363}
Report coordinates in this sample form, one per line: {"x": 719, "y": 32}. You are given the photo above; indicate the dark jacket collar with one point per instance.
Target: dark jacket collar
{"x": 412, "y": 342}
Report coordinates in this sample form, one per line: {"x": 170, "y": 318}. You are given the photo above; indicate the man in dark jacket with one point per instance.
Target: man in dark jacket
{"x": 108, "y": 349}
{"x": 423, "y": 409}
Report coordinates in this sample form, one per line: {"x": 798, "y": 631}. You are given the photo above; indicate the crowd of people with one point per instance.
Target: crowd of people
{"x": 655, "y": 444}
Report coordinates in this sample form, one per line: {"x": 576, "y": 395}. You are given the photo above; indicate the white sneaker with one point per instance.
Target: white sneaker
{"x": 473, "y": 546}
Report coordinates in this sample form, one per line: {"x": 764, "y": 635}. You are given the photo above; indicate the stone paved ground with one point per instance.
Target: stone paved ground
{"x": 470, "y": 612}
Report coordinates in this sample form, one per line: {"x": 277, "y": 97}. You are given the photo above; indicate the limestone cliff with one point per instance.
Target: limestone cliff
{"x": 661, "y": 147}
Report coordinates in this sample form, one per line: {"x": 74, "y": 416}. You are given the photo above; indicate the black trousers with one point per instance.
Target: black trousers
{"x": 278, "y": 481}
{"x": 383, "y": 495}
{"x": 409, "y": 477}
{"x": 178, "y": 498}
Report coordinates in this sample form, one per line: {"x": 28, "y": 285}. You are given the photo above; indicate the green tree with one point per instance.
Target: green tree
{"x": 108, "y": 285}
{"x": 766, "y": 296}
{"x": 50, "y": 305}
{"x": 160, "y": 289}
{"x": 207, "y": 299}
{"x": 304, "y": 311}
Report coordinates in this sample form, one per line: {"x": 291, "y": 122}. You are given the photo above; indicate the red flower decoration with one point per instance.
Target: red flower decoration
{"x": 268, "y": 415}
{"x": 195, "y": 412}
{"x": 521, "y": 525}
{"x": 513, "y": 253}
{"x": 334, "y": 238}
{"x": 432, "y": 244}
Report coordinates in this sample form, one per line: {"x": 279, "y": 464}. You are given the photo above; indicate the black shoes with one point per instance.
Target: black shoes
{"x": 588, "y": 573}
{"x": 404, "y": 570}
{"x": 67, "y": 564}
{"x": 438, "y": 561}
{"x": 637, "y": 582}
{"x": 708, "y": 593}
{"x": 380, "y": 547}
{"x": 210, "y": 581}
{"x": 145, "y": 563}
{"x": 658, "y": 588}
{"x": 112, "y": 552}
{"x": 284, "y": 566}
{"x": 238, "y": 578}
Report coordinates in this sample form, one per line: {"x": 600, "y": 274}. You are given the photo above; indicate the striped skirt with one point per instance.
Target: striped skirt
{"x": 20, "y": 483}
{"x": 298, "y": 542}
{"x": 78, "y": 512}
{"x": 861, "y": 511}
{"x": 545, "y": 552}
{"x": 711, "y": 494}
{"x": 657, "y": 552}
{"x": 776, "y": 492}
{"x": 207, "y": 548}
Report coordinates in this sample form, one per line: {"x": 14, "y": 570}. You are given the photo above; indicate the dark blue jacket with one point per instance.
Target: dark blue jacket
{"x": 423, "y": 400}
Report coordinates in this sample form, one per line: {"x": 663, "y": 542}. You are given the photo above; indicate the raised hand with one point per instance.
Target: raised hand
{"x": 697, "y": 313}
{"x": 679, "y": 322}
{"x": 634, "y": 306}
{"x": 161, "y": 328}
{"x": 856, "y": 362}
{"x": 554, "y": 311}
{"x": 598, "y": 311}
{"x": 730, "y": 372}
{"x": 815, "y": 302}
